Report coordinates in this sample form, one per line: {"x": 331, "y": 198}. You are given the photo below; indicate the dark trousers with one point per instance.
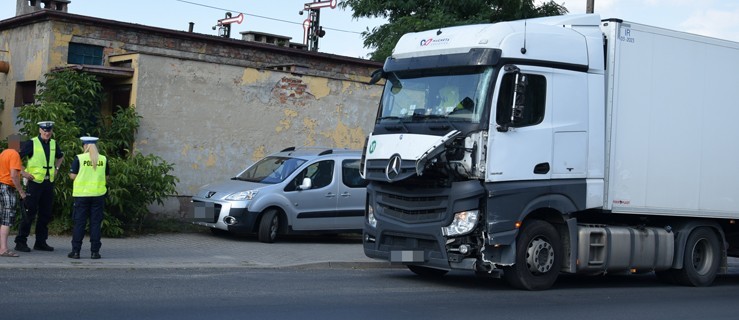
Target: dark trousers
{"x": 39, "y": 202}
{"x": 87, "y": 208}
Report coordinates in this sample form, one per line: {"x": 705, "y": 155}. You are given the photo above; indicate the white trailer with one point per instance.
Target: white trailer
{"x": 560, "y": 144}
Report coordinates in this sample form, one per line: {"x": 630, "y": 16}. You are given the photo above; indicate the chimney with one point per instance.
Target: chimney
{"x": 30, "y": 6}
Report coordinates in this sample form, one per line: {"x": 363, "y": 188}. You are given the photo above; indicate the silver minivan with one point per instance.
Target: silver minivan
{"x": 303, "y": 190}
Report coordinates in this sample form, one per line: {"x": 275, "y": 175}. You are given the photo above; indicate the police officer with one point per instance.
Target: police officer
{"x": 44, "y": 158}
{"x": 89, "y": 173}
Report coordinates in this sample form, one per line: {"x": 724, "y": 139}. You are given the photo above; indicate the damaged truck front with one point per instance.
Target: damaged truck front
{"x": 501, "y": 149}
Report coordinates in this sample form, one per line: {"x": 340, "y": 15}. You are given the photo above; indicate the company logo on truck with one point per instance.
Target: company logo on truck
{"x": 434, "y": 42}
{"x": 393, "y": 167}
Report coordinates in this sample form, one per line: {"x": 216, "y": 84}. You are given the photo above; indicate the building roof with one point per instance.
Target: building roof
{"x": 52, "y": 15}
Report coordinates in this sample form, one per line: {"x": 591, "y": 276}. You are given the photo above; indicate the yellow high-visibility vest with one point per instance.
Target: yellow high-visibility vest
{"x": 90, "y": 182}
{"x": 38, "y": 163}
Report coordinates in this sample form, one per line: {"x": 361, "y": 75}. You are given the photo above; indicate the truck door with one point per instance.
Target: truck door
{"x": 521, "y": 132}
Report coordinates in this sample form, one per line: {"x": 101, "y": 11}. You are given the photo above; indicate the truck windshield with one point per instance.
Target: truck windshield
{"x": 270, "y": 170}
{"x": 428, "y": 95}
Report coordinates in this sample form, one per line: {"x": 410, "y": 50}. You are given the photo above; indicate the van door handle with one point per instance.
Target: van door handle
{"x": 346, "y": 194}
{"x": 330, "y": 195}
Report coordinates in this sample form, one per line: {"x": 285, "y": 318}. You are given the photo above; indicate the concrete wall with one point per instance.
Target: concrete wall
{"x": 213, "y": 120}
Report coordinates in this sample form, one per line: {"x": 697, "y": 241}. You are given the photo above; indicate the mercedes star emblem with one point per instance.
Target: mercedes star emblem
{"x": 393, "y": 167}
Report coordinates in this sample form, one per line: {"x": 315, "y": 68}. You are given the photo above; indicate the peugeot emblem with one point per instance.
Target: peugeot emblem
{"x": 210, "y": 194}
{"x": 393, "y": 167}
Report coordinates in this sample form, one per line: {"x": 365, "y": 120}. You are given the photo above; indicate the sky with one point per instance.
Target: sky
{"x": 715, "y": 18}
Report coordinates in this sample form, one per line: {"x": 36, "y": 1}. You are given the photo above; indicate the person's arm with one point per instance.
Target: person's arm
{"x": 74, "y": 169}
{"x": 59, "y": 156}
{"x": 15, "y": 175}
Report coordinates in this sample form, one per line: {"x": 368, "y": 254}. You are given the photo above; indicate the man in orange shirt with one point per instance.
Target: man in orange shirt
{"x": 11, "y": 171}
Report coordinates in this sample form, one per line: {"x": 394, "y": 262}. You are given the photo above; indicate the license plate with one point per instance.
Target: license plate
{"x": 406, "y": 256}
{"x": 203, "y": 211}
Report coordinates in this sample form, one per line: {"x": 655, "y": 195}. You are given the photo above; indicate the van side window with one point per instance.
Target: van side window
{"x": 350, "y": 174}
{"x": 534, "y": 101}
{"x": 321, "y": 173}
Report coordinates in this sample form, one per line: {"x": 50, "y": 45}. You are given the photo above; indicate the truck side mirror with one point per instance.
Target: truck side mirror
{"x": 305, "y": 185}
{"x": 377, "y": 75}
{"x": 519, "y": 97}
{"x": 517, "y": 91}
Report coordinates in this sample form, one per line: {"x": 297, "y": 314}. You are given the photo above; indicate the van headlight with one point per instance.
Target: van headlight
{"x": 371, "y": 217}
{"x": 243, "y": 195}
{"x": 463, "y": 222}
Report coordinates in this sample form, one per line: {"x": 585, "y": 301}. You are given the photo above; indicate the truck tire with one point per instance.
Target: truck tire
{"x": 538, "y": 257}
{"x": 427, "y": 272}
{"x": 268, "y": 226}
{"x": 702, "y": 259}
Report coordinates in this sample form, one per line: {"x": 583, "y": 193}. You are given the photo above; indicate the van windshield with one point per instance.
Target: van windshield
{"x": 451, "y": 94}
{"x": 270, "y": 170}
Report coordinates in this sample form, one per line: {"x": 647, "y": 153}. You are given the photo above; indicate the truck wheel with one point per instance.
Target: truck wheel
{"x": 702, "y": 259}
{"x": 268, "y": 226}
{"x": 538, "y": 257}
{"x": 427, "y": 272}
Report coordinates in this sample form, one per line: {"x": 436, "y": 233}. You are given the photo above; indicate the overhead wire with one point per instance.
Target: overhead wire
{"x": 258, "y": 16}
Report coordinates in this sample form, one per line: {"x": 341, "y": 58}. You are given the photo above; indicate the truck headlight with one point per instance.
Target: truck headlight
{"x": 371, "y": 217}
{"x": 243, "y": 195}
{"x": 463, "y": 223}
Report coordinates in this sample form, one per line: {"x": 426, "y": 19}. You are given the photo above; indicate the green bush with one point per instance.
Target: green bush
{"x": 72, "y": 100}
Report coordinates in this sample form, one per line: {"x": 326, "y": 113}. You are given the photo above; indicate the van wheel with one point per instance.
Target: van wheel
{"x": 538, "y": 257}
{"x": 427, "y": 272}
{"x": 268, "y": 226}
{"x": 702, "y": 259}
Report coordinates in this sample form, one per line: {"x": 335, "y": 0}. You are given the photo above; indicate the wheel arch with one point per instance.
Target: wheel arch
{"x": 683, "y": 230}
{"x": 283, "y": 226}
{"x": 554, "y": 209}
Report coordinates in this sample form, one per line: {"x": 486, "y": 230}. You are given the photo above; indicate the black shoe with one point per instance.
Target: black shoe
{"x": 74, "y": 255}
{"x": 95, "y": 255}
{"x": 22, "y": 247}
{"x": 43, "y": 247}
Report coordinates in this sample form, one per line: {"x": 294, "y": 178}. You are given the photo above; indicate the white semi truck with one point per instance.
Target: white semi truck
{"x": 565, "y": 144}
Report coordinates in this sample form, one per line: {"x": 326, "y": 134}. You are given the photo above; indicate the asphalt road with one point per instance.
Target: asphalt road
{"x": 344, "y": 293}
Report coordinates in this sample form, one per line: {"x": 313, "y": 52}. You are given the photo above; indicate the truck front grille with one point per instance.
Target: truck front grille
{"x": 412, "y": 206}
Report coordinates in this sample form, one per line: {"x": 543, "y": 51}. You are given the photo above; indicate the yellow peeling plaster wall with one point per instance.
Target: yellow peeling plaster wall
{"x": 27, "y": 51}
{"x": 213, "y": 120}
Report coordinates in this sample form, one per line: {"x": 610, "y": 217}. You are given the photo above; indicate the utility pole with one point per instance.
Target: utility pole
{"x": 590, "y": 6}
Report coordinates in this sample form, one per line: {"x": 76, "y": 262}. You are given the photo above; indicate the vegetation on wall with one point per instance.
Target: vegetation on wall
{"x": 72, "y": 100}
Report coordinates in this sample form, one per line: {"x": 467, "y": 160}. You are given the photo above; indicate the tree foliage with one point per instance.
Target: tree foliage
{"x": 406, "y": 16}
{"x": 72, "y": 100}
